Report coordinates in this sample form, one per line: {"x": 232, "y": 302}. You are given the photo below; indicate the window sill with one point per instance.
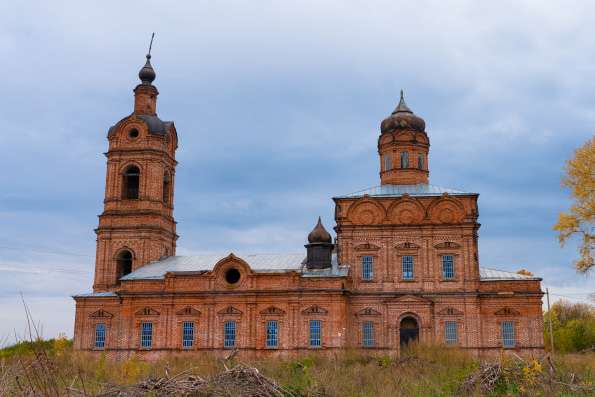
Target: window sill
{"x": 449, "y": 280}
{"x": 407, "y": 280}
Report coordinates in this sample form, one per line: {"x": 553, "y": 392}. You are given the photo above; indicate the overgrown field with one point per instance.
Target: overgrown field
{"x": 53, "y": 369}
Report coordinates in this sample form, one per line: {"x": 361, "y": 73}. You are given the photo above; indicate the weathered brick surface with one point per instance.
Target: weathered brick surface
{"x": 385, "y": 228}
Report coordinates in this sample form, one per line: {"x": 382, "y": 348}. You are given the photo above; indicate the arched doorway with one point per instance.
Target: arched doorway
{"x": 408, "y": 330}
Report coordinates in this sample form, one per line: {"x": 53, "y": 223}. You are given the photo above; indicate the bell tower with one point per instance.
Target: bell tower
{"x": 137, "y": 224}
{"x": 403, "y": 147}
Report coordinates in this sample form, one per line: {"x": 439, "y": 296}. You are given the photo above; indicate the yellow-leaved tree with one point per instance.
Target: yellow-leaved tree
{"x": 579, "y": 219}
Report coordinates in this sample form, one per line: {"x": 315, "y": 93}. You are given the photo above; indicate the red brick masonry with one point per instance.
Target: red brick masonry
{"x": 401, "y": 221}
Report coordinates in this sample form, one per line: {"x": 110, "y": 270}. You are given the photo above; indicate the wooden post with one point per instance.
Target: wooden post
{"x": 549, "y": 311}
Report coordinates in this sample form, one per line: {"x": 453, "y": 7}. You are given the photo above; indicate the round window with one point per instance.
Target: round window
{"x": 232, "y": 276}
{"x": 133, "y": 133}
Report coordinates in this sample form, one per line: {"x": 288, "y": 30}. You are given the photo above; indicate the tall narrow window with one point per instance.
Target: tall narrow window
{"x": 450, "y": 332}
{"x": 448, "y": 267}
{"x": 124, "y": 261}
{"x": 315, "y": 333}
{"x": 407, "y": 262}
{"x": 367, "y": 267}
{"x": 420, "y": 161}
{"x": 187, "y": 334}
{"x": 229, "y": 334}
{"x": 166, "y": 187}
{"x": 388, "y": 164}
{"x": 146, "y": 334}
{"x": 404, "y": 160}
{"x": 368, "y": 334}
{"x": 272, "y": 333}
{"x": 100, "y": 336}
{"x": 507, "y": 331}
{"x": 130, "y": 183}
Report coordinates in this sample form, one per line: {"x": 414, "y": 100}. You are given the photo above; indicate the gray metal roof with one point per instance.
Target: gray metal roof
{"x": 487, "y": 274}
{"x": 95, "y": 295}
{"x": 399, "y": 190}
{"x": 259, "y": 263}
{"x": 266, "y": 263}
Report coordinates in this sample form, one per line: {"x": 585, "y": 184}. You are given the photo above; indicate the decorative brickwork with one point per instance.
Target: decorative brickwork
{"x": 417, "y": 242}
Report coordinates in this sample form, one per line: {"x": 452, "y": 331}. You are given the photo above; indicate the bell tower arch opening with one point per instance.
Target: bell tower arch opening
{"x": 130, "y": 183}
{"x": 124, "y": 262}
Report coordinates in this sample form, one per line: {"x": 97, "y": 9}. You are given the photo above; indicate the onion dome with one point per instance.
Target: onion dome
{"x": 319, "y": 234}
{"x": 402, "y": 118}
{"x": 147, "y": 74}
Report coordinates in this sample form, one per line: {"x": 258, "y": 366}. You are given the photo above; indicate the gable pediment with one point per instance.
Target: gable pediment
{"x": 315, "y": 309}
{"x": 450, "y": 311}
{"x": 407, "y": 245}
{"x": 447, "y": 244}
{"x": 410, "y": 299}
{"x": 147, "y": 311}
{"x": 101, "y": 314}
{"x": 366, "y": 247}
{"x": 272, "y": 311}
{"x": 507, "y": 311}
{"x": 368, "y": 311}
{"x": 230, "y": 310}
{"x": 188, "y": 311}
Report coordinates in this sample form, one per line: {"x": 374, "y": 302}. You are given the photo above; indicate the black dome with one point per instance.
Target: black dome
{"x": 147, "y": 74}
{"x": 402, "y": 118}
{"x": 319, "y": 234}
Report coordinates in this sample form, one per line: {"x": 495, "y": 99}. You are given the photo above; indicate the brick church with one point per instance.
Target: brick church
{"x": 403, "y": 267}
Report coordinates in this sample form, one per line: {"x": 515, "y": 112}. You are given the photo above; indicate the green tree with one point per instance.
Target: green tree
{"x": 573, "y": 325}
{"x": 579, "y": 220}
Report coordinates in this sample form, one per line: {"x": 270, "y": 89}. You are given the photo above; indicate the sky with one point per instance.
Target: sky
{"x": 277, "y": 105}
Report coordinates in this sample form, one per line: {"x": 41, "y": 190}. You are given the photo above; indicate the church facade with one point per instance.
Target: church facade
{"x": 404, "y": 265}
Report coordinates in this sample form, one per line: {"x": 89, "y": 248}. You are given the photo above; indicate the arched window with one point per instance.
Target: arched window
{"x": 404, "y": 160}
{"x": 124, "y": 263}
{"x": 166, "y": 187}
{"x": 130, "y": 183}
{"x": 387, "y": 162}
{"x": 420, "y": 161}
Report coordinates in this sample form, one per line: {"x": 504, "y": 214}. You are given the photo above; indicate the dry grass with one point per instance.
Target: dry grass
{"x": 54, "y": 369}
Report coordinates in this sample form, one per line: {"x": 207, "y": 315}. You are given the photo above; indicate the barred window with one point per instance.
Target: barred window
{"x": 448, "y": 266}
{"x": 146, "y": 335}
{"x": 315, "y": 333}
{"x": 272, "y": 333}
{"x": 367, "y": 267}
{"x": 229, "y": 337}
{"x": 387, "y": 162}
{"x": 187, "y": 334}
{"x": 420, "y": 161}
{"x": 450, "y": 332}
{"x": 407, "y": 262}
{"x": 100, "y": 336}
{"x": 368, "y": 334}
{"x": 507, "y": 330}
{"x": 404, "y": 160}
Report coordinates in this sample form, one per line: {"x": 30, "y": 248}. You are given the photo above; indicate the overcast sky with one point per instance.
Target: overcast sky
{"x": 277, "y": 106}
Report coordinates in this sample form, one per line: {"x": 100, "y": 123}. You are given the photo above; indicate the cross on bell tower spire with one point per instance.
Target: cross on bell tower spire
{"x": 145, "y": 94}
